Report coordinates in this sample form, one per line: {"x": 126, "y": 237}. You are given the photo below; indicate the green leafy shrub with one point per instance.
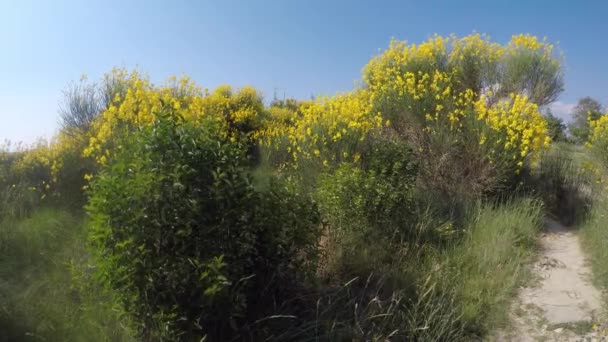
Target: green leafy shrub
{"x": 376, "y": 197}
{"x": 369, "y": 214}
{"x": 193, "y": 247}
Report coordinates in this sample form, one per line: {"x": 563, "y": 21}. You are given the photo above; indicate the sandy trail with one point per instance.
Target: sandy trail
{"x": 562, "y": 305}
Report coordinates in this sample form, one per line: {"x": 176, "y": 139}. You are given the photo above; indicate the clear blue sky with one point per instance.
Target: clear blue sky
{"x": 299, "y": 48}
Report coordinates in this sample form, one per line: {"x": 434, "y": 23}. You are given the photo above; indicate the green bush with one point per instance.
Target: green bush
{"x": 192, "y": 246}
{"x": 370, "y": 222}
{"x": 376, "y": 198}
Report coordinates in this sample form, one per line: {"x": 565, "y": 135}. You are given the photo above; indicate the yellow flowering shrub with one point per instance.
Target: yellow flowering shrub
{"x": 401, "y": 57}
{"x": 446, "y": 90}
{"x": 136, "y": 105}
{"x": 474, "y": 45}
{"x": 523, "y": 129}
{"x": 64, "y": 165}
{"x": 471, "y": 61}
{"x": 598, "y": 137}
{"x": 327, "y": 130}
{"x": 54, "y": 167}
{"x": 422, "y": 96}
{"x": 281, "y": 115}
{"x": 599, "y": 130}
{"x": 430, "y": 101}
{"x": 530, "y": 42}
{"x": 243, "y": 109}
{"x": 434, "y": 99}
{"x": 447, "y": 97}
{"x": 447, "y": 93}
{"x": 37, "y": 167}
{"x": 525, "y": 65}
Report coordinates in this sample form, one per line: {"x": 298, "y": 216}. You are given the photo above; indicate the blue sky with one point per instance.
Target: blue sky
{"x": 299, "y": 48}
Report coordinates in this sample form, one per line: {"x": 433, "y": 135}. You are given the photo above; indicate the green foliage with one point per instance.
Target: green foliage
{"x": 586, "y": 108}
{"x": 457, "y": 168}
{"x": 564, "y": 188}
{"x": 194, "y": 249}
{"x": 599, "y": 149}
{"x": 376, "y": 198}
{"x": 592, "y": 231}
{"x": 17, "y": 199}
{"x": 189, "y": 242}
{"x": 485, "y": 270}
{"x": 368, "y": 214}
{"x": 556, "y": 129}
{"x": 365, "y": 309}
{"x": 39, "y": 297}
{"x": 594, "y": 235}
{"x": 535, "y": 74}
{"x": 411, "y": 290}
{"x": 372, "y": 253}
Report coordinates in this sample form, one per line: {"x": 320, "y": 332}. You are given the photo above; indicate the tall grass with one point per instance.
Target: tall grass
{"x": 41, "y": 299}
{"x": 430, "y": 292}
{"x": 590, "y": 171}
{"x": 486, "y": 269}
{"x": 594, "y": 230}
{"x": 594, "y": 235}
{"x": 558, "y": 180}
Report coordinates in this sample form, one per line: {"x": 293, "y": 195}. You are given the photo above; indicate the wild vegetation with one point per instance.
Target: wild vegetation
{"x": 402, "y": 210}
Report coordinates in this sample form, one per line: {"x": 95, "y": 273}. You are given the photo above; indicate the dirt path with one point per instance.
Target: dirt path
{"x": 561, "y": 304}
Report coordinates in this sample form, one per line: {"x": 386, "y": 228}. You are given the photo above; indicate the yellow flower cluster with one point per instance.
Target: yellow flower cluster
{"x": 327, "y": 130}
{"x": 474, "y": 45}
{"x": 527, "y": 41}
{"x": 598, "y": 136}
{"x": 451, "y": 54}
{"x": 138, "y": 102}
{"x": 518, "y": 122}
{"x": 281, "y": 115}
{"x": 426, "y": 95}
{"x": 416, "y": 82}
{"x": 403, "y": 87}
{"x": 598, "y": 130}
{"x": 523, "y": 128}
{"x": 386, "y": 66}
{"x": 438, "y": 53}
{"x": 446, "y": 85}
{"x": 44, "y": 161}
